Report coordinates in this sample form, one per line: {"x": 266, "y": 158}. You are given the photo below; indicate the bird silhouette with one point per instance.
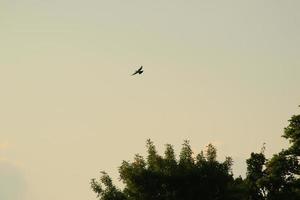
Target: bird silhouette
{"x": 139, "y": 71}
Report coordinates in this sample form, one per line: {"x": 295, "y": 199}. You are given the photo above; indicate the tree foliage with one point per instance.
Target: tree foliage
{"x": 202, "y": 176}
{"x": 278, "y": 177}
{"x": 166, "y": 178}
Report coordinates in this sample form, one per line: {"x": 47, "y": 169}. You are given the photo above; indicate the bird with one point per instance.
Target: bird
{"x": 139, "y": 71}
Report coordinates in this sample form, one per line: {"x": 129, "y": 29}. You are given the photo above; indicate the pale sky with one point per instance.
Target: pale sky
{"x": 225, "y": 72}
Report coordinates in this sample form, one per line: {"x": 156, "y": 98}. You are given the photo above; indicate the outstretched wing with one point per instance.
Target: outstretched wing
{"x": 140, "y": 69}
{"x": 135, "y": 73}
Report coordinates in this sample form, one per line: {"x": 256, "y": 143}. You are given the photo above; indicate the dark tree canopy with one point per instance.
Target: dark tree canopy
{"x": 279, "y": 177}
{"x": 203, "y": 177}
{"x": 255, "y": 172}
{"x": 292, "y": 133}
{"x": 166, "y": 178}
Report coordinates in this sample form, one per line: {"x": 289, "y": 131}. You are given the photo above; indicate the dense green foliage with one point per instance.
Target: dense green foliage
{"x": 201, "y": 176}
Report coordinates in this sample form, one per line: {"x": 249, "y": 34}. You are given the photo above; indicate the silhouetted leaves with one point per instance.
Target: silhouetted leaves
{"x": 166, "y": 177}
{"x": 203, "y": 177}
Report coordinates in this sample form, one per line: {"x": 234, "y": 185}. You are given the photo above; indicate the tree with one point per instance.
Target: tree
{"x": 292, "y": 133}
{"x": 166, "y": 178}
{"x": 278, "y": 181}
{"x": 277, "y": 178}
{"x": 202, "y": 176}
{"x": 282, "y": 172}
{"x": 255, "y": 172}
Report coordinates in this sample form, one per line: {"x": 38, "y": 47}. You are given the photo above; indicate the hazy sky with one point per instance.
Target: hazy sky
{"x": 225, "y": 72}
